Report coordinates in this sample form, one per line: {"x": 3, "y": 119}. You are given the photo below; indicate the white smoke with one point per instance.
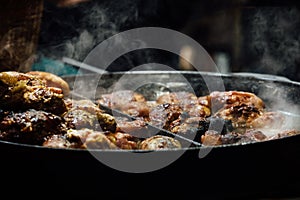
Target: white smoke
{"x": 279, "y": 99}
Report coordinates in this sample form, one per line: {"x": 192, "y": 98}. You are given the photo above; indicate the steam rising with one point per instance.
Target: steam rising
{"x": 73, "y": 32}
{"x": 277, "y": 98}
{"x": 273, "y": 40}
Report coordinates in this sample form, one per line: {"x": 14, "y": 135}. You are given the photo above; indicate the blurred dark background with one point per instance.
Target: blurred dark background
{"x": 240, "y": 35}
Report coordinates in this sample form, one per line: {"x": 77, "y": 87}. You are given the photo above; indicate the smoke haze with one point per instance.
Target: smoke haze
{"x": 272, "y": 41}
{"x": 74, "y": 31}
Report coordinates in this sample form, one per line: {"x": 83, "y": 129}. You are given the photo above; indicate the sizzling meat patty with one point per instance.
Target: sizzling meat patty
{"x": 34, "y": 110}
{"x": 127, "y": 101}
{"x": 159, "y": 142}
{"x": 163, "y": 115}
{"x": 31, "y": 126}
{"x": 83, "y": 139}
{"x": 241, "y": 108}
{"x": 86, "y": 114}
{"x": 187, "y": 101}
{"x": 19, "y": 91}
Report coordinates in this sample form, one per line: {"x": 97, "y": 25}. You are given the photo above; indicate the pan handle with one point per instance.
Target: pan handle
{"x": 262, "y": 76}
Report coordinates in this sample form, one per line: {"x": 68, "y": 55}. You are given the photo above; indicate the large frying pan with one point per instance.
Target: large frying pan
{"x": 254, "y": 170}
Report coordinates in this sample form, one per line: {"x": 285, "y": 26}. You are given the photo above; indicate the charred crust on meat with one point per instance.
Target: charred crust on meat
{"x": 31, "y": 126}
{"x": 23, "y": 91}
{"x": 34, "y": 109}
